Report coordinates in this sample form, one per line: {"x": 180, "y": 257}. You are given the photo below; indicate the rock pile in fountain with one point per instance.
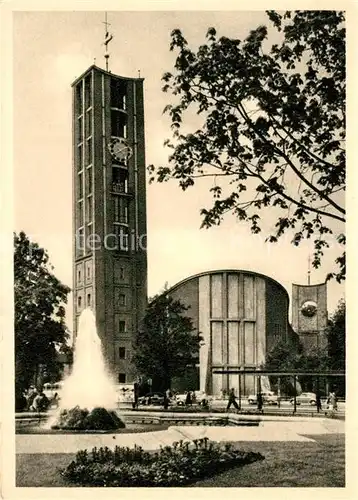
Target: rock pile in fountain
{"x": 88, "y": 398}
{"x": 83, "y": 420}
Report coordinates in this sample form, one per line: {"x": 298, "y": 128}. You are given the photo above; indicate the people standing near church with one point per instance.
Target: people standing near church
{"x": 232, "y": 400}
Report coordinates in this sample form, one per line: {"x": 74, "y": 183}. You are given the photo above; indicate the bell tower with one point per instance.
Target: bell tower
{"x": 109, "y": 211}
{"x": 309, "y": 314}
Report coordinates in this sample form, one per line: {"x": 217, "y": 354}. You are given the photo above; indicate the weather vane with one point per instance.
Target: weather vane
{"x": 107, "y": 38}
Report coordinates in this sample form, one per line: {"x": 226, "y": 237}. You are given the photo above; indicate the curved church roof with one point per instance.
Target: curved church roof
{"x": 220, "y": 271}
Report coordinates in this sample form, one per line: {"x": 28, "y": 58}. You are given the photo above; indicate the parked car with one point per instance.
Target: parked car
{"x": 152, "y": 398}
{"x": 53, "y": 393}
{"x": 201, "y": 396}
{"x": 50, "y": 389}
{"x": 308, "y": 398}
{"x": 180, "y": 399}
{"x": 268, "y": 398}
{"x": 125, "y": 393}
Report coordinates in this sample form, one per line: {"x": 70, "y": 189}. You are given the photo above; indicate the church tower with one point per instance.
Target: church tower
{"x": 109, "y": 211}
{"x": 309, "y": 314}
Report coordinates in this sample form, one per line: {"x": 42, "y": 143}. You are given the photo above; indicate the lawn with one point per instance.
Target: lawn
{"x": 291, "y": 464}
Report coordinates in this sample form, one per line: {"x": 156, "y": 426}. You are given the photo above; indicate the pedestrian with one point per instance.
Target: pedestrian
{"x": 260, "y": 401}
{"x": 188, "y": 400}
{"x": 166, "y": 399}
{"x": 135, "y": 395}
{"x": 55, "y": 400}
{"x": 334, "y": 401}
{"x": 30, "y": 396}
{"x": 232, "y": 400}
{"x": 40, "y": 403}
{"x": 328, "y": 402}
{"x": 205, "y": 403}
{"x": 318, "y": 401}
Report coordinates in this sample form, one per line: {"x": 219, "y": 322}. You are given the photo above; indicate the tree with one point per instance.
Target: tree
{"x": 336, "y": 337}
{"x": 274, "y": 127}
{"x": 167, "y": 343}
{"x": 283, "y": 356}
{"x": 40, "y": 330}
{"x": 286, "y": 355}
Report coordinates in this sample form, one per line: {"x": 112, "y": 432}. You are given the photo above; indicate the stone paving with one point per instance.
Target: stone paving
{"x": 269, "y": 429}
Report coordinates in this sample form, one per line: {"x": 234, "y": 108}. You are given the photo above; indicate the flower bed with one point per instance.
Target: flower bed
{"x": 81, "y": 419}
{"x": 175, "y": 465}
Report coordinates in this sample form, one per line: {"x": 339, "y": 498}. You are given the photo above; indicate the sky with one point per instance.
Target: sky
{"x": 51, "y": 49}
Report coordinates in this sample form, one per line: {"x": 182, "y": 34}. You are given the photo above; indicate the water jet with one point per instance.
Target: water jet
{"x": 88, "y": 399}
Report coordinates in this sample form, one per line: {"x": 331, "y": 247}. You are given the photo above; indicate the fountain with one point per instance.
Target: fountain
{"x": 88, "y": 398}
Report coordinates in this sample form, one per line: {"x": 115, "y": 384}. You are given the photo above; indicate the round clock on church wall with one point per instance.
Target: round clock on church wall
{"x": 119, "y": 149}
{"x": 309, "y": 308}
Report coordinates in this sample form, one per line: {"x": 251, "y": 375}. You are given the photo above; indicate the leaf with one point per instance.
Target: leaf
{"x": 273, "y": 124}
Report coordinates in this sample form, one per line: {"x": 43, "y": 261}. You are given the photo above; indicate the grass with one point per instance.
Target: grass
{"x": 41, "y": 469}
{"x": 288, "y": 464}
{"x": 292, "y": 464}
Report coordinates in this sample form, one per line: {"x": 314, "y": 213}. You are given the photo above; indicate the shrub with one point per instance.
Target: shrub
{"x": 175, "y": 465}
{"x": 81, "y": 419}
{"x": 100, "y": 418}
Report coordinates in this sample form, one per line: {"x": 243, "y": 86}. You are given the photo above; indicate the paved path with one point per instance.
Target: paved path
{"x": 268, "y": 430}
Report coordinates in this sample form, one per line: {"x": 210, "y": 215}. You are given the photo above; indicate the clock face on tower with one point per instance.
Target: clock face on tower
{"x": 119, "y": 149}
{"x": 309, "y": 308}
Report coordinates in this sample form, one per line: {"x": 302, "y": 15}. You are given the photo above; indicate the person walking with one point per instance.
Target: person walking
{"x": 55, "y": 401}
{"x": 232, "y": 400}
{"x": 318, "y": 401}
{"x": 166, "y": 399}
{"x": 136, "y": 395}
{"x": 260, "y": 401}
{"x": 40, "y": 403}
{"x": 188, "y": 400}
{"x": 30, "y": 396}
{"x": 334, "y": 401}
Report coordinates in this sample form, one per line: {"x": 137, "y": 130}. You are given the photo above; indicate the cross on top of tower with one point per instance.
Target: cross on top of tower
{"x": 107, "y": 38}
{"x": 105, "y": 22}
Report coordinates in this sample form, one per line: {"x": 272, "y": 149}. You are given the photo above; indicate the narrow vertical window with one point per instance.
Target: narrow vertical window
{"x": 79, "y": 98}
{"x": 88, "y": 91}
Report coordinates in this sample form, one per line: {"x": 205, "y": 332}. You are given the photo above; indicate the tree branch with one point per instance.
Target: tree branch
{"x": 288, "y": 160}
{"x": 298, "y": 203}
{"x": 244, "y": 114}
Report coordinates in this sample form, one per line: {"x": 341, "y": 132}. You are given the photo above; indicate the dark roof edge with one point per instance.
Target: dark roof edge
{"x": 309, "y": 286}
{"x": 88, "y": 70}
{"x": 219, "y": 271}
